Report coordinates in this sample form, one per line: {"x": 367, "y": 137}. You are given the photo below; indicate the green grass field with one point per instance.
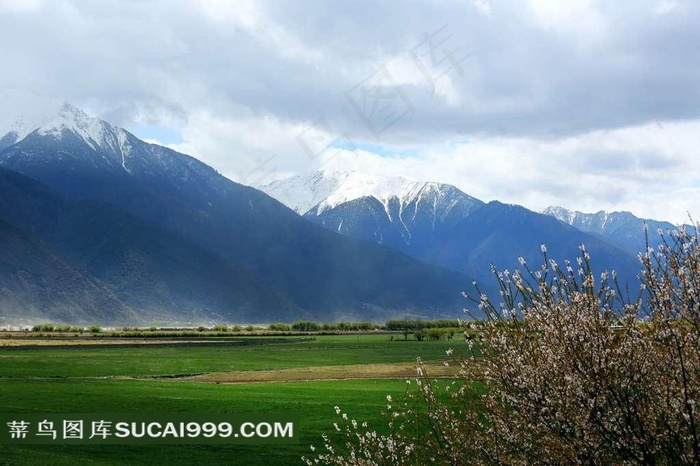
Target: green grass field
{"x": 120, "y": 380}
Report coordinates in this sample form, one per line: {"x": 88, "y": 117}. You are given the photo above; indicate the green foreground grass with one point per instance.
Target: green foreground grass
{"x": 65, "y": 380}
{"x": 312, "y": 401}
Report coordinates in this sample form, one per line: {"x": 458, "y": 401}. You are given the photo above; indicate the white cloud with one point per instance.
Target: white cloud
{"x": 253, "y": 149}
{"x": 247, "y": 14}
{"x": 650, "y": 170}
{"x": 664, "y": 7}
{"x": 557, "y": 101}
{"x": 482, "y": 6}
{"x": 20, "y": 6}
{"x": 571, "y": 17}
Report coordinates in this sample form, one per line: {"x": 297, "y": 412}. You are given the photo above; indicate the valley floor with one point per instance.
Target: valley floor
{"x": 312, "y": 376}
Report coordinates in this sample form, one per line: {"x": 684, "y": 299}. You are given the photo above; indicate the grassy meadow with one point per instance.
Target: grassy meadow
{"x": 304, "y": 377}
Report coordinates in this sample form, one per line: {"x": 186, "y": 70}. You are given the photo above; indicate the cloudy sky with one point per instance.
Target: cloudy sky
{"x": 587, "y": 104}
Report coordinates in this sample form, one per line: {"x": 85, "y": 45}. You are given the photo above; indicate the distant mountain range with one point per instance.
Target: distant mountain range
{"x": 99, "y": 226}
{"x": 622, "y": 229}
{"x": 171, "y": 238}
{"x": 396, "y": 212}
{"x": 442, "y": 225}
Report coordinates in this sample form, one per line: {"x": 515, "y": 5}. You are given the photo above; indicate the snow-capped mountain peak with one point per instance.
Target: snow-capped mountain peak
{"x": 33, "y": 134}
{"x": 355, "y": 185}
{"x": 621, "y": 228}
{"x": 22, "y": 112}
{"x": 26, "y": 114}
{"x": 304, "y": 192}
{"x": 589, "y": 222}
{"x": 389, "y": 210}
{"x": 92, "y": 130}
{"x": 564, "y": 215}
{"x": 324, "y": 190}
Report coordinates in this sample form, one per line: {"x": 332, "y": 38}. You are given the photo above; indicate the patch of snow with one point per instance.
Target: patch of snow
{"x": 23, "y": 112}
{"x": 95, "y": 132}
{"x": 589, "y": 222}
{"x": 326, "y": 190}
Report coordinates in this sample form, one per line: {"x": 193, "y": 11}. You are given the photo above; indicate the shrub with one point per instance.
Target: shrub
{"x": 435, "y": 334}
{"x": 43, "y": 328}
{"x": 573, "y": 372}
{"x": 419, "y": 335}
{"x": 94, "y": 329}
{"x": 280, "y": 327}
{"x": 306, "y": 326}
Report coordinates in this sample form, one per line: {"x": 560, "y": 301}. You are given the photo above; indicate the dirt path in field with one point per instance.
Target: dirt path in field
{"x": 359, "y": 371}
{"x": 300, "y": 374}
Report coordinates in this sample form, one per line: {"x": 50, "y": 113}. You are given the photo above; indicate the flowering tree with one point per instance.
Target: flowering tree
{"x": 568, "y": 369}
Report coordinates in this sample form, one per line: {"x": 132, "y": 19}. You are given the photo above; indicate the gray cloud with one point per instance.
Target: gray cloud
{"x": 241, "y": 79}
{"x": 551, "y": 73}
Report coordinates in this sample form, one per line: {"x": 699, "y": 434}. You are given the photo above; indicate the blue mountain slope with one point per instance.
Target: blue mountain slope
{"x": 442, "y": 225}
{"x": 328, "y": 275}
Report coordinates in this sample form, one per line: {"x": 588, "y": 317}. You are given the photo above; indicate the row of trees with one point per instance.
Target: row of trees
{"x": 419, "y": 324}
{"x": 311, "y": 326}
{"x": 66, "y": 328}
{"x": 434, "y": 334}
{"x": 571, "y": 370}
{"x": 406, "y": 326}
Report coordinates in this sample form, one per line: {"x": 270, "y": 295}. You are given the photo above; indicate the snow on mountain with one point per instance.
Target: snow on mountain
{"x": 438, "y": 223}
{"x": 28, "y": 114}
{"x": 622, "y": 229}
{"x": 393, "y": 211}
{"x": 323, "y": 190}
{"x": 57, "y": 140}
{"x": 95, "y": 132}
{"x": 599, "y": 222}
{"x": 560, "y": 213}
{"x": 592, "y": 223}
{"x": 314, "y": 273}
{"x": 23, "y": 112}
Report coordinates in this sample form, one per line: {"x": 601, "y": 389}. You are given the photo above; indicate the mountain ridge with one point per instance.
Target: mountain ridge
{"x": 150, "y": 270}
{"x": 620, "y": 228}
{"x": 440, "y": 224}
{"x": 38, "y": 284}
{"x": 329, "y": 275}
